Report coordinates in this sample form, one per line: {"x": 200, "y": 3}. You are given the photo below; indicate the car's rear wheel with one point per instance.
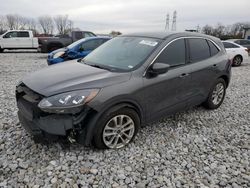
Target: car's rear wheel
{"x": 216, "y": 95}
{"x": 1, "y": 50}
{"x": 116, "y": 129}
{"x": 237, "y": 60}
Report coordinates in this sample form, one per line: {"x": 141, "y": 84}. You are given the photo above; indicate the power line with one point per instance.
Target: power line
{"x": 167, "y": 23}
{"x": 174, "y": 21}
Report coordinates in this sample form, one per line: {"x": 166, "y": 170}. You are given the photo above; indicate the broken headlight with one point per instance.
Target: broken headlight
{"x": 67, "y": 102}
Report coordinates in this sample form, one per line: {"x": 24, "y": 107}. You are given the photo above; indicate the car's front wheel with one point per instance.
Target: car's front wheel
{"x": 216, "y": 95}
{"x": 116, "y": 129}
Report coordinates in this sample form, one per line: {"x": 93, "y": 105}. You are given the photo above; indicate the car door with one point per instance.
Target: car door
{"x": 168, "y": 92}
{"x": 204, "y": 63}
{"x": 23, "y": 39}
{"x": 9, "y": 40}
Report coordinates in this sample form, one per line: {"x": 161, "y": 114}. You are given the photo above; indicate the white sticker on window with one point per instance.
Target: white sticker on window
{"x": 149, "y": 43}
{"x": 130, "y": 66}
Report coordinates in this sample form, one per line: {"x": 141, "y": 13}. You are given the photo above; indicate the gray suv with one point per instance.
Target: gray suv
{"x": 131, "y": 80}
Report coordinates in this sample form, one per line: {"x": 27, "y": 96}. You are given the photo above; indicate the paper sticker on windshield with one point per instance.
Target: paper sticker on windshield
{"x": 149, "y": 43}
{"x": 130, "y": 66}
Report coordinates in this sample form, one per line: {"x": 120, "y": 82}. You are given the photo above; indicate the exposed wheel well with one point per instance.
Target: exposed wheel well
{"x": 131, "y": 105}
{"x": 224, "y": 77}
{"x": 93, "y": 117}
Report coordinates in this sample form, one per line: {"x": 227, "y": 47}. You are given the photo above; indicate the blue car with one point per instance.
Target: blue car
{"x": 76, "y": 50}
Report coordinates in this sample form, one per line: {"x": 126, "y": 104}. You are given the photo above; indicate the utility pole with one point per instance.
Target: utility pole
{"x": 167, "y": 23}
{"x": 174, "y": 21}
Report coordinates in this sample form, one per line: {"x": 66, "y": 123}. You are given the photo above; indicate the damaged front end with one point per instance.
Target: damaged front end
{"x": 48, "y": 119}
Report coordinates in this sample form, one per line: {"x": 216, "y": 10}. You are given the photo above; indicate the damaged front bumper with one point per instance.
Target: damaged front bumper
{"x": 45, "y": 126}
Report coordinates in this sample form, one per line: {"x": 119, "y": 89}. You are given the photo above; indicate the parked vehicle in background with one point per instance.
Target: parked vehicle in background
{"x": 76, "y": 50}
{"x": 236, "y": 52}
{"x": 242, "y": 42}
{"x": 18, "y": 39}
{"x": 49, "y": 44}
{"x": 127, "y": 82}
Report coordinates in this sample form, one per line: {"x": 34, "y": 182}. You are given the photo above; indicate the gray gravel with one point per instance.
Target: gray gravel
{"x": 193, "y": 148}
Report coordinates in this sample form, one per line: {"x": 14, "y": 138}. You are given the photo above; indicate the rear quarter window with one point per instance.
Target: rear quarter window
{"x": 198, "y": 49}
{"x": 213, "y": 49}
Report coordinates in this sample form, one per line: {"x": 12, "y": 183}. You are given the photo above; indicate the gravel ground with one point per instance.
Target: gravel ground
{"x": 195, "y": 148}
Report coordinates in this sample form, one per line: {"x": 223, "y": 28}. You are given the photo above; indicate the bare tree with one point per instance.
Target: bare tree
{"x": 219, "y": 30}
{"x": 46, "y": 23}
{"x": 2, "y": 24}
{"x": 22, "y": 22}
{"x": 12, "y": 21}
{"x": 70, "y": 26}
{"x": 63, "y": 24}
{"x": 32, "y": 25}
{"x": 208, "y": 30}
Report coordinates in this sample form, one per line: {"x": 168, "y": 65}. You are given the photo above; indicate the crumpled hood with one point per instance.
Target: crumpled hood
{"x": 51, "y": 54}
{"x": 71, "y": 76}
{"x": 59, "y": 50}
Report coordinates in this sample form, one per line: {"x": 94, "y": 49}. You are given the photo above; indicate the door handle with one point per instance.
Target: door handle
{"x": 183, "y": 75}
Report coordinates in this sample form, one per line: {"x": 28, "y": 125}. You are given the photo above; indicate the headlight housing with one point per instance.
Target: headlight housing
{"x": 58, "y": 54}
{"x": 70, "y": 102}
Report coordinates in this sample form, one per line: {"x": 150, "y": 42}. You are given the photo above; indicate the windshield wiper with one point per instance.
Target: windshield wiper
{"x": 98, "y": 66}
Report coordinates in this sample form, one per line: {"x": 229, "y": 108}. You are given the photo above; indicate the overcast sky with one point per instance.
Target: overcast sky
{"x": 102, "y": 16}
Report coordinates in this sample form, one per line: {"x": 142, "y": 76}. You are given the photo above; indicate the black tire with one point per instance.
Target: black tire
{"x": 237, "y": 60}
{"x": 209, "y": 103}
{"x": 106, "y": 118}
{"x": 1, "y": 50}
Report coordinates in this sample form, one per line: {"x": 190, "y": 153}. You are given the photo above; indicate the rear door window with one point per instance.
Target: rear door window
{"x": 23, "y": 34}
{"x": 174, "y": 54}
{"x": 198, "y": 49}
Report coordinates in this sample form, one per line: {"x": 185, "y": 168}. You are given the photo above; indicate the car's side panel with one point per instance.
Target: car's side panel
{"x": 166, "y": 93}
{"x": 203, "y": 76}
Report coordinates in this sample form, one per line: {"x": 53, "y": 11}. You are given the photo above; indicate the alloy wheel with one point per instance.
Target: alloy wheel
{"x": 118, "y": 132}
{"x": 218, "y": 93}
{"x": 237, "y": 60}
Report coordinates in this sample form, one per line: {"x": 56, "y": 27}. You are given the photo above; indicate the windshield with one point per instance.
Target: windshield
{"x": 74, "y": 44}
{"x": 122, "y": 53}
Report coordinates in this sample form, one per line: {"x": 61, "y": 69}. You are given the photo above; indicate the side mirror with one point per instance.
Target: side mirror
{"x": 158, "y": 68}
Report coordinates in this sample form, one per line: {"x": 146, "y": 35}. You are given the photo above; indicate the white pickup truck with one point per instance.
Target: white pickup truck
{"x": 18, "y": 39}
